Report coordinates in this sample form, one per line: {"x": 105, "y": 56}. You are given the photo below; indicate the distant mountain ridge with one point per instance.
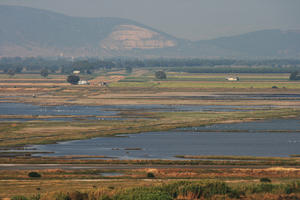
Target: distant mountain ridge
{"x": 33, "y": 32}
{"x": 266, "y": 42}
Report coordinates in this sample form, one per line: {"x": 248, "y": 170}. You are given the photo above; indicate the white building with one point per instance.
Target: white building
{"x": 83, "y": 82}
{"x": 76, "y": 72}
{"x": 232, "y": 78}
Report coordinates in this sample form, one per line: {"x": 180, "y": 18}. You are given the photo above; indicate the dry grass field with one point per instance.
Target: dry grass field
{"x": 56, "y": 181}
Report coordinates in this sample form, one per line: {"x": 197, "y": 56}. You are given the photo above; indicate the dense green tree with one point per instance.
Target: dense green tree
{"x": 160, "y": 75}
{"x": 191, "y": 65}
{"x": 128, "y": 70}
{"x": 265, "y": 180}
{"x": 294, "y": 76}
{"x": 89, "y": 71}
{"x": 11, "y": 72}
{"x": 44, "y": 73}
{"x": 34, "y": 175}
{"x": 73, "y": 79}
{"x": 150, "y": 175}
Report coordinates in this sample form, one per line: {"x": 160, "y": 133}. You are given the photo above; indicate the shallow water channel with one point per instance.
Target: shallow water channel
{"x": 260, "y": 138}
{"x": 17, "y": 111}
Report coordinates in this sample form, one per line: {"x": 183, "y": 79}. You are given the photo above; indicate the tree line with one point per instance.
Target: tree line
{"x": 192, "y": 65}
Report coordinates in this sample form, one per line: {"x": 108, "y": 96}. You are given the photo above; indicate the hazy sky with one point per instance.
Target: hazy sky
{"x": 190, "y": 19}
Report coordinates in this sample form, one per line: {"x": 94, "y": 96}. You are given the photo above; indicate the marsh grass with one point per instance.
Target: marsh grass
{"x": 237, "y": 158}
{"x": 45, "y": 132}
{"x": 59, "y": 160}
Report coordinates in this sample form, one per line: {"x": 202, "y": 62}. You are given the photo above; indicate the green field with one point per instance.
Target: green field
{"x": 210, "y": 81}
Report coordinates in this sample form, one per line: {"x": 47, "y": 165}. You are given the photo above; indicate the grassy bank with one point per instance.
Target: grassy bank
{"x": 38, "y": 132}
{"x": 221, "y": 160}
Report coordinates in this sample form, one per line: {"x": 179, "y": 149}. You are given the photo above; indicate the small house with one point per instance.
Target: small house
{"x": 232, "y": 78}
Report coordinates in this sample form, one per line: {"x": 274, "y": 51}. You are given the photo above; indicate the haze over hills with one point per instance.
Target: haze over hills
{"x": 33, "y": 32}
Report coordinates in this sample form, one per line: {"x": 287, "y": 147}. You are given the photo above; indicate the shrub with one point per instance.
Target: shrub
{"x": 292, "y": 187}
{"x": 191, "y": 190}
{"x": 78, "y": 196}
{"x": 196, "y": 190}
{"x": 34, "y": 175}
{"x": 35, "y": 197}
{"x": 71, "y": 196}
{"x": 150, "y": 175}
{"x": 62, "y": 196}
{"x": 105, "y": 197}
{"x": 143, "y": 194}
{"x": 265, "y": 180}
{"x": 263, "y": 188}
{"x": 215, "y": 188}
{"x": 236, "y": 194}
{"x": 18, "y": 198}
{"x": 274, "y": 87}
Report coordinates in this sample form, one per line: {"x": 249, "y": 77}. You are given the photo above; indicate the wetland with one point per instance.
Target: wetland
{"x": 261, "y": 138}
{"x": 189, "y": 127}
{"x": 24, "y": 112}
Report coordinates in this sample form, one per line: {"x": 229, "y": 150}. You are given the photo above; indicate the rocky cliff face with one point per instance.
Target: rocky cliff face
{"x": 128, "y": 37}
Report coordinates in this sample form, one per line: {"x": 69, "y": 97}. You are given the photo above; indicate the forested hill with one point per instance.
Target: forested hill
{"x": 29, "y": 32}
{"x": 267, "y": 43}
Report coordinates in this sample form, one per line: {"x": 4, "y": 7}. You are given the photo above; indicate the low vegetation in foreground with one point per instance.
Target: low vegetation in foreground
{"x": 181, "y": 190}
{"x": 171, "y": 182}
